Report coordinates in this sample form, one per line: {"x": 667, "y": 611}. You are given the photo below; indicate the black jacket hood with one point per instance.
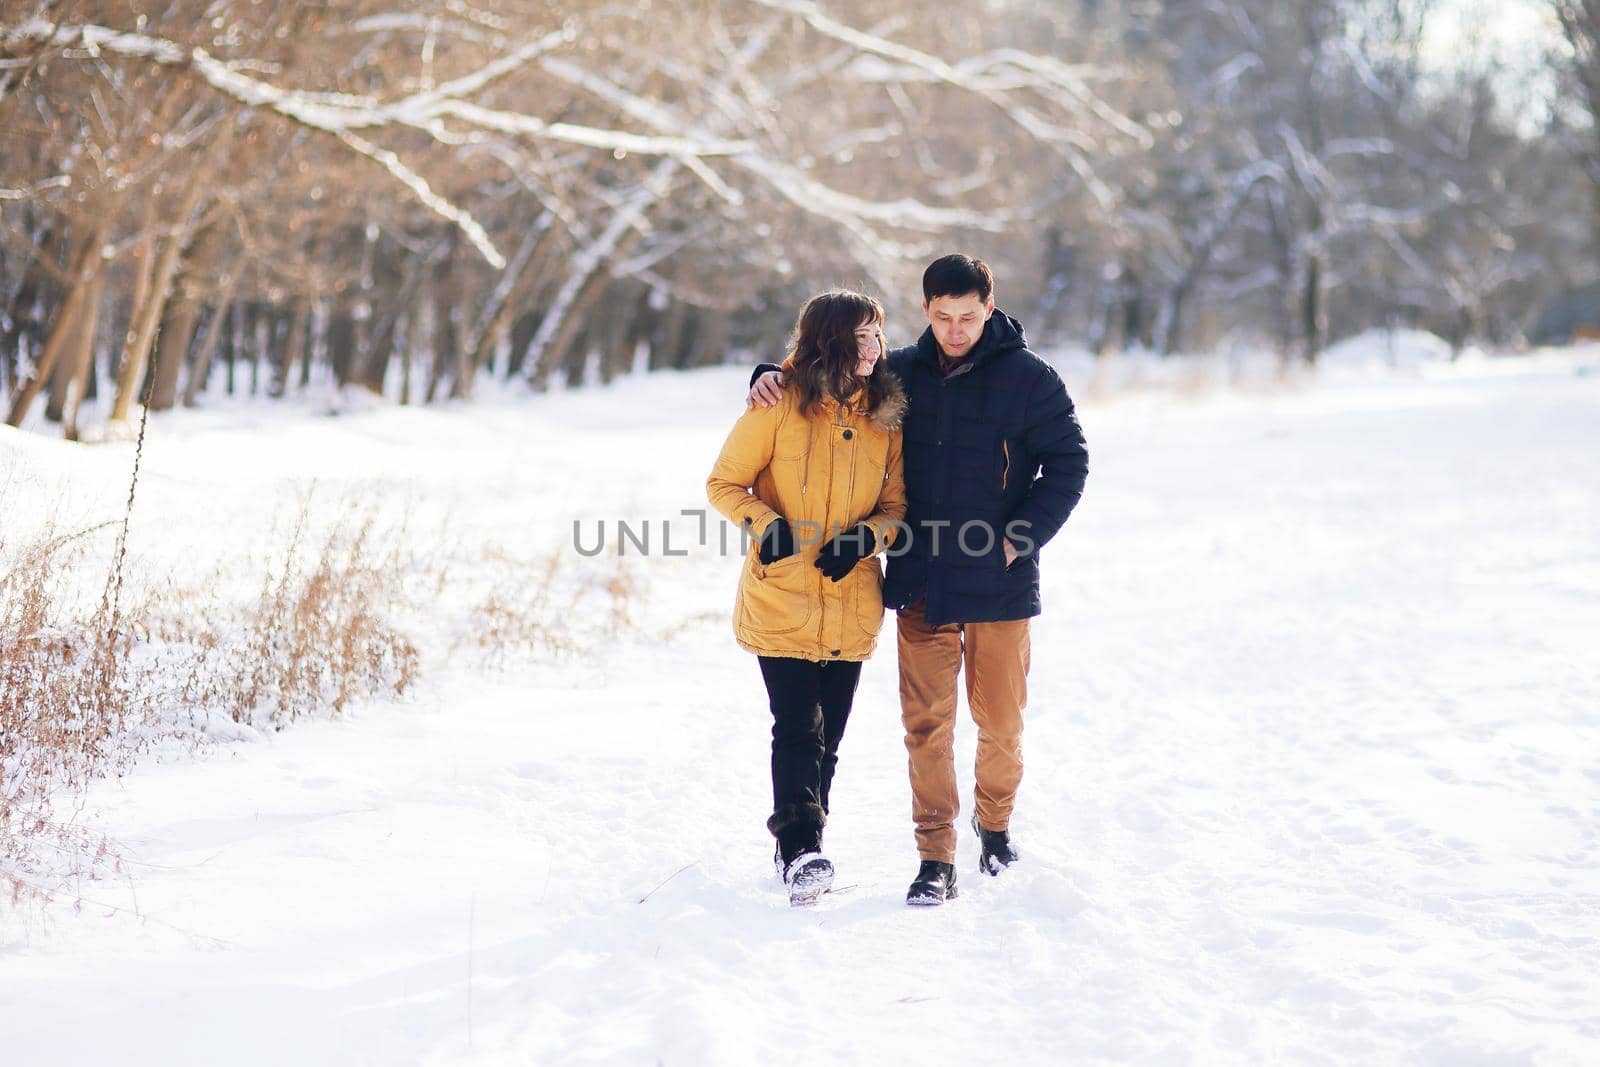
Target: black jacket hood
{"x": 1001, "y": 333}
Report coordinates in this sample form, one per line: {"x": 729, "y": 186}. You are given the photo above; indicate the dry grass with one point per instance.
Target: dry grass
{"x": 71, "y": 701}
{"x": 542, "y": 608}
{"x": 83, "y": 690}
{"x": 320, "y": 635}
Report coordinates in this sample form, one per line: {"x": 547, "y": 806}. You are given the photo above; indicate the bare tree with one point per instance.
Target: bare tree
{"x": 408, "y": 197}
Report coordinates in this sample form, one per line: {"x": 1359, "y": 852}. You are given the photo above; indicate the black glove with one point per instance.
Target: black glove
{"x": 845, "y": 549}
{"x": 778, "y": 542}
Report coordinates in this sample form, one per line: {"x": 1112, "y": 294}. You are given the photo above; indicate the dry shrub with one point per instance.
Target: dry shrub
{"x": 82, "y": 691}
{"x": 618, "y": 592}
{"x": 685, "y": 626}
{"x": 320, "y": 635}
{"x": 555, "y": 612}
{"x": 71, "y": 700}
{"x": 522, "y": 619}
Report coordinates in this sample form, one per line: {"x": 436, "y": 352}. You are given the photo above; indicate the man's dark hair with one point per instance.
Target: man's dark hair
{"x": 957, "y": 275}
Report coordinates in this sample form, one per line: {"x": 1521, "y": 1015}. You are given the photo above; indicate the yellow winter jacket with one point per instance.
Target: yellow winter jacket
{"x": 823, "y": 472}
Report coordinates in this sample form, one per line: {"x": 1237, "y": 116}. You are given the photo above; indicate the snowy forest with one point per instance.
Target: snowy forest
{"x": 244, "y": 196}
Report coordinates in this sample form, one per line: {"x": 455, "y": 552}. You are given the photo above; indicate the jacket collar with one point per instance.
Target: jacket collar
{"x": 887, "y": 416}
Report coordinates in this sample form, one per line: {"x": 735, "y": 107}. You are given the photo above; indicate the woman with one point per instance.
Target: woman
{"x": 816, "y": 481}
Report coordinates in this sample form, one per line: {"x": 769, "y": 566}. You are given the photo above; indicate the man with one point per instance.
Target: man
{"x": 994, "y": 463}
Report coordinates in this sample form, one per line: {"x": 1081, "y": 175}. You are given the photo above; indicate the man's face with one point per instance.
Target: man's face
{"x": 958, "y": 321}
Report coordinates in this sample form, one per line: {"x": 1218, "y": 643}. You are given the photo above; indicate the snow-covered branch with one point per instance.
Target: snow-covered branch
{"x": 60, "y": 181}
{"x": 785, "y": 178}
{"x": 1053, "y": 79}
{"x": 436, "y": 203}
{"x": 1050, "y": 77}
{"x": 342, "y": 114}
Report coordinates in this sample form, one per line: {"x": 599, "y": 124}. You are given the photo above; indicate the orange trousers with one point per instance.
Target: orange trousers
{"x": 996, "y": 656}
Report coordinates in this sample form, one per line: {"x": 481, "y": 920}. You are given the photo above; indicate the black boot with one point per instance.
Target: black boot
{"x": 802, "y": 866}
{"x": 935, "y": 884}
{"x": 808, "y": 875}
{"x": 798, "y": 858}
{"x": 997, "y": 851}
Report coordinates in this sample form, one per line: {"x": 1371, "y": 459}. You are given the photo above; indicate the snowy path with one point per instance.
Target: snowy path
{"x": 1312, "y": 779}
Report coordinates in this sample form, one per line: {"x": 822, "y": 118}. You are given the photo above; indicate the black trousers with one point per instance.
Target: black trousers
{"x": 810, "y": 705}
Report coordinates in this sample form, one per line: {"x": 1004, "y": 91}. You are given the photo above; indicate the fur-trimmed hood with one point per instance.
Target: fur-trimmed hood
{"x": 891, "y": 410}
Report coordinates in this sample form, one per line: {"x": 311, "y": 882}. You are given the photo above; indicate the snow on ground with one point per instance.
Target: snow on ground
{"x": 1311, "y": 764}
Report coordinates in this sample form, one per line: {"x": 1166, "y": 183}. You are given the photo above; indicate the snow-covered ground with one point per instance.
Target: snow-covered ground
{"x": 1312, "y": 763}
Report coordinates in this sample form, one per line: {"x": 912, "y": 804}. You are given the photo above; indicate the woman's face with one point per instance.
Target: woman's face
{"x": 869, "y": 347}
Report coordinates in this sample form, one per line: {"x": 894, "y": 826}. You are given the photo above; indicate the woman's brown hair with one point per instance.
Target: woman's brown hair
{"x": 825, "y": 353}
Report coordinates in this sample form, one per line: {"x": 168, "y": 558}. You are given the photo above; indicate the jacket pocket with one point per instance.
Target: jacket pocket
{"x": 870, "y": 472}
{"x": 868, "y": 596}
{"x": 778, "y": 598}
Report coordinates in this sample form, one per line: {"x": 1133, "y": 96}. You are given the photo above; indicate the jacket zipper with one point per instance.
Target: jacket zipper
{"x": 822, "y": 582}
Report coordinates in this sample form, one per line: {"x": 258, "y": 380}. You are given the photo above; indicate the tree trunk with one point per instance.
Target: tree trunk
{"x": 588, "y": 280}
{"x": 175, "y": 338}
{"x": 73, "y": 381}
{"x": 376, "y": 369}
{"x": 446, "y": 337}
{"x": 24, "y": 303}
{"x": 208, "y": 349}
{"x": 341, "y": 344}
{"x": 23, "y": 310}
{"x": 522, "y": 331}
{"x": 1132, "y": 310}
{"x": 1313, "y": 321}
{"x": 1169, "y": 323}
{"x": 499, "y": 307}
{"x": 232, "y": 344}
{"x": 460, "y": 361}
{"x": 670, "y": 329}
{"x": 86, "y": 266}
{"x": 146, "y": 255}
{"x": 317, "y": 331}
{"x": 575, "y": 367}
{"x": 1283, "y": 246}
{"x": 81, "y": 357}
{"x": 61, "y": 378}
{"x": 172, "y": 350}
{"x": 410, "y": 330}
{"x": 1060, "y": 261}
{"x": 153, "y": 293}
{"x": 1100, "y": 339}
{"x": 618, "y": 332}
{"x": 381, "y": 347}
{"x": 294, "y": 350}
{"x": 710, "y": 340}
{"x": 261, "y": 326}
{"x": 684, "y": 356}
